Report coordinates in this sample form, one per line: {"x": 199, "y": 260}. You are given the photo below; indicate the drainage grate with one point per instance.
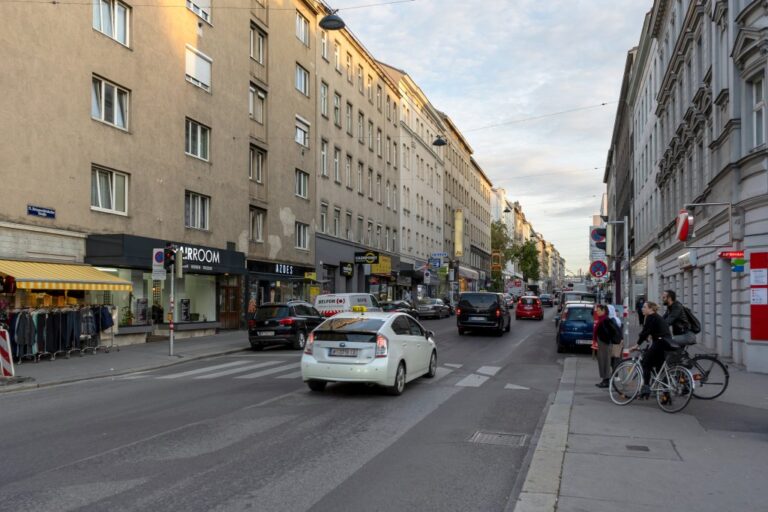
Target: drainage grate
{"x": 638, "y": 448}
{"x": 498, "y": 438}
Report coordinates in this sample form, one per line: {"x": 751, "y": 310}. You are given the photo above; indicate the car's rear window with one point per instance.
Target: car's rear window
{"x": 545, "y": 296}
{"x": 528, "y": 301}
{"x": 388, "y": 307}
{"x": 477, "y": 300}
{"x": 352, "y": 324}
{"x": 576, "y": 314}
{"x": 269, "y": 312}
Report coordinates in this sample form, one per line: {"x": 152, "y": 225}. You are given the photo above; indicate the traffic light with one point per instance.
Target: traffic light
{"x": 600, "y": 238}
{"x": 169, "y": 257}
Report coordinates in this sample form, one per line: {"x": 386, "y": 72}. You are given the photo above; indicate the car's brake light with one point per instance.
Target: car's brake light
{"x": 538, "y": 303}
{"x": 286, "y": 321}
{"x": 251, "y": 323}
{"x": 310, "y": 344}
{"x": 498, "y": 312}
{"x": 458, "y": 311}
{"x": 382, "y": 346}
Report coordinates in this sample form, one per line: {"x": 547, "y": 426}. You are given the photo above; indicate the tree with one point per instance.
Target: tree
{"x": 502, "y": 243}
{"x": 527, "y": 257}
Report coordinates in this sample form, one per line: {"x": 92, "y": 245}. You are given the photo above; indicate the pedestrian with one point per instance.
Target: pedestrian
{"x": 607, "y": 334}
{"x": 657, "y": 329}
{"x": 618, "y": 342}
{"x": 639, "y": 308}
{"x": 677, "y": 320}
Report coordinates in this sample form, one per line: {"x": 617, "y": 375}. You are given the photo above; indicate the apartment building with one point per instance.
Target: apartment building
{"x": 479, "y": 223}
{"x": 357, "y": 170}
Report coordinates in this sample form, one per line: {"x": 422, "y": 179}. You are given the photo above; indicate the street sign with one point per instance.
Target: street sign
{"x": 311, "y": 276}
{"x": 737, "y": 264}
{"x": 439, "y": 254}
{"x": 435, "y": 262}
{"x": 158, "y": 267}
{"x": 684, "y": 225}
{"x": 737, "y": 268}
{"x": 729, "y": 255}
{"x": 598, "y": 268}
{"x": 597, "y": 235}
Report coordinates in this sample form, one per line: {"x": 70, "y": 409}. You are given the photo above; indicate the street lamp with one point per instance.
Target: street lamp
{"x": 332, "y": 21}
{"x": 440, "y": 141}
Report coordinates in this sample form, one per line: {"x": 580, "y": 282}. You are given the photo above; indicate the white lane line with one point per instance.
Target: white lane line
{"x": 241, "y": 369}
{"x": 270, "y": 371}
{"x": 202, "y": 370}
{"x": 488, "y": 370}
{"x": 293, "y": 375}
{"x": 515, "y": 386}
{"x": 453, "y": 365}
{"x": 472, "y": 381}
{"x": 133, "y": 377}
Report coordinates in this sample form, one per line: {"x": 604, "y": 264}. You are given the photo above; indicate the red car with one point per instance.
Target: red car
{"x": 529, "y": 306}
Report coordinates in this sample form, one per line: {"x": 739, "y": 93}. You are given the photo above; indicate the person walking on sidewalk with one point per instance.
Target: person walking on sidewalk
{"x": 639, "y": 308}
{"x": 607, "y": 333}
{"x": 677, "y": 320}
{"x": 657, "y": 329}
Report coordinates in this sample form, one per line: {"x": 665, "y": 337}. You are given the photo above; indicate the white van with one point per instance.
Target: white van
{"x": 330, "y": 304}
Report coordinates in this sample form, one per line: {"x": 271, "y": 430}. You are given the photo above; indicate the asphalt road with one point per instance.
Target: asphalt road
{"x": 242, "y": 432}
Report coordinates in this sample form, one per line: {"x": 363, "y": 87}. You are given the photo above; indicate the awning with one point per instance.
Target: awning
{"x": 468, "y": 273}
{"x": 31, "y": 275}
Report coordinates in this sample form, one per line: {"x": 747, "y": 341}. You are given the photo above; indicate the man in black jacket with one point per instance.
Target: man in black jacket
{"x": 677, "y": 320}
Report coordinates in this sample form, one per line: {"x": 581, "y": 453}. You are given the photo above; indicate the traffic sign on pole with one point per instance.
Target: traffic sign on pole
{"x": 598, "y": 268}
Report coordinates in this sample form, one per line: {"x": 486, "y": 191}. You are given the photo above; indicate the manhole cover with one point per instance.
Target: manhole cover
{"x": 637, "y": 448}
{"x": 498, "y": 438}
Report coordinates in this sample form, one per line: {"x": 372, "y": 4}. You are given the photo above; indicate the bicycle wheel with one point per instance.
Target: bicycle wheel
{"x": 710, "y": 375}
{"x": 675, "y": 393}
{"x": 625, "y": 383}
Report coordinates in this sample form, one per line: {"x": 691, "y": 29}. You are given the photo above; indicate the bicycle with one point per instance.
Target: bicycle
{"x": 710, "y": 374}
{"x": 673, "y": 385}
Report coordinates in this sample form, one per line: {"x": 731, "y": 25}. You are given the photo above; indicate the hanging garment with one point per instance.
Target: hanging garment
{"x": 106, "y": 318}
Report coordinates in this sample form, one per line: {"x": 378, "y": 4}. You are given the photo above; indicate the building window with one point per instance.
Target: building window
{"x": 257, "y": 224}
{"x": 389, "y": 150}
{"x": 197, "y": 139}
{"x": 349, "y": 118}
{"x": 198, "y": 68}
{"x": 337, "y": 109}
{"x": 389, "y": 202}
{"x": 360, "y": 230}
{"x": 336, "y": 56}
{"x": 350, "y": 71}
{"x": 302, "y": 132}
{"x": 758, "y": 112}
{"x": 257, "y": 165}
{"x": 200, "y": 7}
{"x": 348, "y": 171}
{"x": 360, "y": 83}
{"x": 109, "y": 103}
{"x": 112, "y": 19}
{"x": 302, "y": 80}
{"x": 337, "y": 165}
{"x": 349, "y": 226}
{"x": 378, "y": 97}
{"x": 323, "y": 218}
{"x": 302, "y": 29}
{"x": 302, "y": 184}
{"x": 360, "y": 127}
{"x": 370, "y": 183}
{"x": 302, "y": 235}
{"x": 109, "y": 191}
{"x": 196, "y": 208}
{"x": 378, "y": 188}
{"x": 369, "y": 237}
{"x": 257, "y": 100}
{"x": 370, "y": 88}
{"x": 324, "y": 157}
{"x": 324, "y": 99}
{"x": 370, "y": 135}
{"x": 378, "y": 141}
{"x": 378, "y": 236}
{"x": 386, "y": 239}
{"x": 389, "y": 108}
{"x": 258, "y": 44}
{"x": 360, "y": 178}
{"x": 336, "y": 222}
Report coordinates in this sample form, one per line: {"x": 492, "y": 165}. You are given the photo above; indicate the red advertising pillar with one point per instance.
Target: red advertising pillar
{"x": 758, "y": 282}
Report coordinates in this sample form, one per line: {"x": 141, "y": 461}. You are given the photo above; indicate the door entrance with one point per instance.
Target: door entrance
{"x": 230, "y": 303}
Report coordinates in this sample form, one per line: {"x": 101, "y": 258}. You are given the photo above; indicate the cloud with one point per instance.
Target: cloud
{"x": 495, "y": 61}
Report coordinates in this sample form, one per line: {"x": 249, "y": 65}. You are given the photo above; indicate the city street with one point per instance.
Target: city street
{"x": 242, "y": 432}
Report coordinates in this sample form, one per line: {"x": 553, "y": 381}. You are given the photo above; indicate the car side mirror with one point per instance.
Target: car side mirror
{"x": 430, "y": 334}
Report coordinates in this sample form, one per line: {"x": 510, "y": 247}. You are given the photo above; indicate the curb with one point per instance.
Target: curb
{"x": 542, "y": 483}
{"x": 32, "y": 385}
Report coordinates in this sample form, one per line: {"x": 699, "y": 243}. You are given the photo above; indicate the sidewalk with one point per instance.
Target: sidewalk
{"x": 128, "y": 359}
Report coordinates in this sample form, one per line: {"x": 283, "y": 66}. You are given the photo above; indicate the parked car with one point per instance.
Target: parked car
{"x": 575, "y": 326}
{"x": 546, "y": 300}
{"x": 332, "y": 303}
{"x": 399, "y": 306}
{"x": 482, "y": 311}
{"x": 433, "y": 308}
{"x": 571, "y": 296}
{"x": 529, "y": 306}
{"x": 379, "y": 348}
{"x": 287, "y": 323}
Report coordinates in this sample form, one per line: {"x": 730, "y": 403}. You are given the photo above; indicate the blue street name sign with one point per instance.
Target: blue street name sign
{"x": 737, "y": 268}
{"x": 39, "y": 211}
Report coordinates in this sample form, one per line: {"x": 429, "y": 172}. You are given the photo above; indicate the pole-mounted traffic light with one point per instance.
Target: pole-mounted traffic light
{"x": 600, "y": 238}
{"x": 169, "y": 257}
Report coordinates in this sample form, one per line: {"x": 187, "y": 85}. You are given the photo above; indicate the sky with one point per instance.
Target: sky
{"x": 500, "y": 62}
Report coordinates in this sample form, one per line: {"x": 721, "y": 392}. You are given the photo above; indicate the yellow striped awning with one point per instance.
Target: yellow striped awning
{"x": 30, "y": 275}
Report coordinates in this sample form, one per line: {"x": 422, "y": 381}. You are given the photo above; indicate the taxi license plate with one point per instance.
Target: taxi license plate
{"x": 343, "y": 352}
{"x": 476, "y": 318}
{"x": 583, "y": 342}
{"x": 266, "y": 333}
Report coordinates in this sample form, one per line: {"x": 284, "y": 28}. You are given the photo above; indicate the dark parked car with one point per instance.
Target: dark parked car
{"x": 529, "y": 306}
{"x": 575, "y": 326}
{"x": 482, "y": 310}
{"x": 546, "y": 300}
{"x": 433, "y": 308}
{"x": 399, "y": 306}
{"x": 286, "y": 323}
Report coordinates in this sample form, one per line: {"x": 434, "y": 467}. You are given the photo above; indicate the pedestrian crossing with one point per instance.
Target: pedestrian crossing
{"x": 284, "y": 369}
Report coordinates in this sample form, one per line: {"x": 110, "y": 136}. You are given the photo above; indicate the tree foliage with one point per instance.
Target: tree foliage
{"x": 526, "y": 255}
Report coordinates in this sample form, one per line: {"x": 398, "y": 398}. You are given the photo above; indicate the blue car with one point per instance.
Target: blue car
{"x": 575, "y": 326}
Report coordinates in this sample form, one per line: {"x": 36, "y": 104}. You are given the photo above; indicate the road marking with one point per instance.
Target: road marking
{"x": 441, "y": 372}
{"x": 452, "y": 365}
{"x": 488, "y": 370}
{"x": 238, "y": 370}
{"x": 293, "y": 375}
{"x": 202, "y": 370}
{"x": 515, "y": 386}
{"x": 270, "y": 371}
{"x": 472, "y": 381}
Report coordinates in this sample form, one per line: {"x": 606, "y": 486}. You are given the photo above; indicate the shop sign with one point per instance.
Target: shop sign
{"x": 687, "y": 260}
{"x": 346, "y": 268}
{"x": 383, "y": 267}
{"x": 311, "y": 276}
{"x": 199, "y": 258}
{"x": 39, "y": 211}
{"x": 368, "y": 257}
{"x": 729, "y": 255}
{"x": 282, "y": 268}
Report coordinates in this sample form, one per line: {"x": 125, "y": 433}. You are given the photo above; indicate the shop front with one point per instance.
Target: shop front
{"x": 271, "y": 281}
{"x": 208, "y": 297}
{"x": 468, "y": 279}
{"x": 346, "y": 268}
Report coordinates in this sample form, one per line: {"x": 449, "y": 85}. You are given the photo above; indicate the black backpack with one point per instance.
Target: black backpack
{"x": 693, "y": 323}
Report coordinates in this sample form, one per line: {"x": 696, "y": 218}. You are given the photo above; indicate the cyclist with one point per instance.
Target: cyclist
{"x": 677, "y": 320}
{"x": 655, "y": 327}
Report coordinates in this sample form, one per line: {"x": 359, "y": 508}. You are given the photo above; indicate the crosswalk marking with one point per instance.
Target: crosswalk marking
{"x": 201, "y": 370}
{"x": 515, "y": 386}
{"x": 270, "y": 371}
{"x": 453, "y": 365}
{"x": 294, "y": 375}
{"x": 240, "y": 369}
{"x": 488, "y": 370}
{"x": 472, "y": 381}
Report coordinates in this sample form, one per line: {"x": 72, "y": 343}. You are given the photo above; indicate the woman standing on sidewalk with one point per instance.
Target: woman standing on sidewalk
{"x": 607, "y": 333}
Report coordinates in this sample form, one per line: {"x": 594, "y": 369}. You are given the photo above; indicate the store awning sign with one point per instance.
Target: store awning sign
{"x": 346, "y": 268}
{"x": 367, "y": 257}
{"x": 383, "y": 267}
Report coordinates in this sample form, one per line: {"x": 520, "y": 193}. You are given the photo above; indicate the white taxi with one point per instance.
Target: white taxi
{"x": 387, "y": 349}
